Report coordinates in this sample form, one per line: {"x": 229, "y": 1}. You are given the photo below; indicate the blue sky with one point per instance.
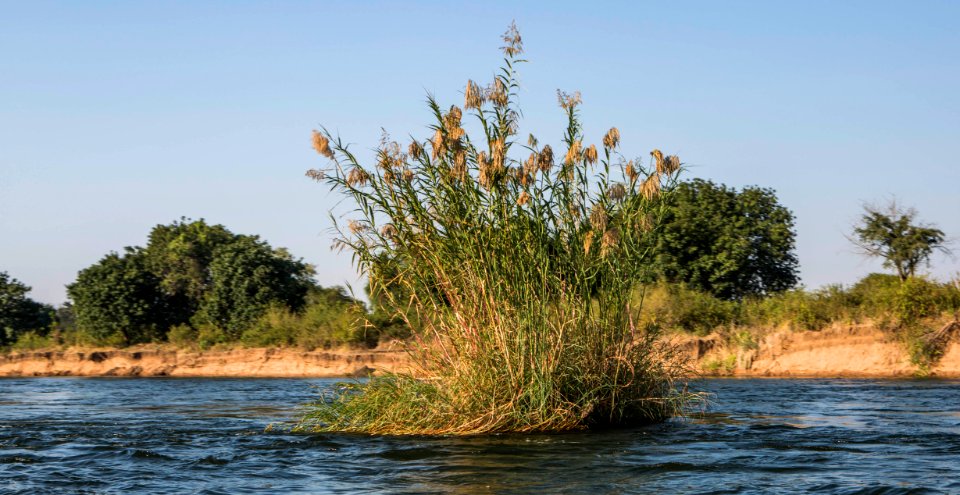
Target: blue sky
{"x": 117, "y": 116}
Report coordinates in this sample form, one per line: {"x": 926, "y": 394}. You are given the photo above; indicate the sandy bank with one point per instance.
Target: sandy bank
{"x": 839, "y": 351}
{"x": 169, "y": 361}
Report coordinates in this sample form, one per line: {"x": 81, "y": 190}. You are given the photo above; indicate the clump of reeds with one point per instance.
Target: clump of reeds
{"x": 515, "y": 273}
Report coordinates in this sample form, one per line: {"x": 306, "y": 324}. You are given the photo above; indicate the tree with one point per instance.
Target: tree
{"x": 893, "y": 234}
{"x": 246, "y": 277}
{"x": 728, "y": 243}
{"x": 119, "y": 296}
{"x": 19, "y": 313}
{"x": 180, "y": 254}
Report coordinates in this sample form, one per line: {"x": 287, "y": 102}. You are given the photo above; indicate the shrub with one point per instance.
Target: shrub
{"x": 330, "y": 318}
{"x": 797, "y": 309}
{"x": 211, "y": 335}
{"x": 31, "y": 341}
{"x": 183, "y": 336}
{"x": 676, "y": 307}
{"x": 515, "y": 276}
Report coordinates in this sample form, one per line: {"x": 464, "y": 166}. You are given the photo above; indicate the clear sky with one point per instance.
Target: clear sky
{"x": 117, "y": 116}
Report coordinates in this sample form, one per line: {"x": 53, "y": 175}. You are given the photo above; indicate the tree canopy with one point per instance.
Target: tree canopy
{"x": 119, "y": 298}
{"x": 19, "y": 313}
{"x": 894, "y": 234}
{"x": 189, "y": 272}
{"x": 729, "y": 243}
{"x": 246, "y": 276}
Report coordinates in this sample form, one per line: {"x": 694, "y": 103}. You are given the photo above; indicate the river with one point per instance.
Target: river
{"x": 155, "y": 435}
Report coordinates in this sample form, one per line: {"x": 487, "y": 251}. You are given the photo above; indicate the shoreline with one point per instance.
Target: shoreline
{"x": 839, "y": 351}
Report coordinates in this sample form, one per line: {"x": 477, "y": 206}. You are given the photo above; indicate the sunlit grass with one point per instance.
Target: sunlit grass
{"x": 515, "y": 274}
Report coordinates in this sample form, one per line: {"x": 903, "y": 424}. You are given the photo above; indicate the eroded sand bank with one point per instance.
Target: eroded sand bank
{"x": 839, "y": 351}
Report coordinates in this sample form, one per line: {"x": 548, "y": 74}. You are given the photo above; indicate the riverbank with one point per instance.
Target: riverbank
{"x": 171, "y": 361}
{"x": 836, "y": 351}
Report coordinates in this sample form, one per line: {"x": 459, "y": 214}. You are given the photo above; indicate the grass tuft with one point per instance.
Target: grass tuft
{"x": 515, "y": 276}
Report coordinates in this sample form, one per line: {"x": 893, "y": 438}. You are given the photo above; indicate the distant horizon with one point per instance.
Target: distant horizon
{"x": 119, "y": 117}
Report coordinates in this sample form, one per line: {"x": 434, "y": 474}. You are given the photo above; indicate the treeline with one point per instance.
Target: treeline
{"x": 195, "y": 284}
{"x": 723, "y": 259}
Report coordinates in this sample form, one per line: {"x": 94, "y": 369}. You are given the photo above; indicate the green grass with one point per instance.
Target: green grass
{"x": 515, "y": 275}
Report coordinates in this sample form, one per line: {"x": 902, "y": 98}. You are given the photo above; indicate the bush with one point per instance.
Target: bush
{"x": 330, "y": 318}
{"x": 677, "y": 307}
{"x": 183, "y": 336}
{"x": 797, "y": 309}
{"x": 211, "y": 335}
{"x": 31, "y": 341}
{"x": 516, "y": 277}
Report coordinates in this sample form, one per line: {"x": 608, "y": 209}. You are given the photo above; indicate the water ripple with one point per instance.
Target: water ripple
{"x": 68, "y": 435}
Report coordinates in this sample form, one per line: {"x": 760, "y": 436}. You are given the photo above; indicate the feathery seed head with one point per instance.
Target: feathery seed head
{"x": 671, "y": 164}
{"x": 452, "y": 119}
{"x": 317, "y": 175}
{"x": 408, "y": 175}
{"x": 388, "y": 231}
{"x": 631, "y": 172}
{"x": 414, "y": 150}
{"x": 357, "y": 227}
{"x": 658, "y": 157}
{"x": 573, "y": 153}
{"x": 598, "y": 217}
{"x": 617, "y": 191}
{"x": 612, "y": 139}
{"x": 459, "y": 165}
{"x": 531, "y": 141}
{"x": 523, "y": 198}
{"x": 498, "y": 155}
{"x": 651, "y": 186}
{"x": 587, "y": 242}
{"x": 514, "y": 45}
{"x": 568, "y": 101}
{"x": 322, "y": 144}
{"x": 530, "y": 165}
{"x": 497, "y": 93}
{"x": 473, "y": 96}
{"x": 438, "y": 144}
{"x": 357, "y": 177}
{"x": 611, "y": 238}
{"x": 456, "y": 133}
{"x": 590, "y": 155}
{"x": 545, "y": 159}
{"x": 484, "y": 167}
{"x": 646, "y": 222}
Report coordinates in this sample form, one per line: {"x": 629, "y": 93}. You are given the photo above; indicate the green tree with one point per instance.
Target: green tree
{"x": 19, "y": 313}
{"x": 246, "y": 277}
{"x": 730, "y": 244}
{"x": 120, "y": 297}
{"x": 894, "y": 234}
{"x": 180, "y": 254}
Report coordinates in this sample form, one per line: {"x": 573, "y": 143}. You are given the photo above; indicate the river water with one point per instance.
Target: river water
{"x": 74, "y": 435}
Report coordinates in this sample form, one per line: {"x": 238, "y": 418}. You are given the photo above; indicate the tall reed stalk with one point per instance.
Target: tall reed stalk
{"x": 515, "y": 274}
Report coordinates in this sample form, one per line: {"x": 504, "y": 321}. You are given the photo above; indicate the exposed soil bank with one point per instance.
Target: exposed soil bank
{"x": 169, "y": 361}
{"x": 839, "y": 351}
